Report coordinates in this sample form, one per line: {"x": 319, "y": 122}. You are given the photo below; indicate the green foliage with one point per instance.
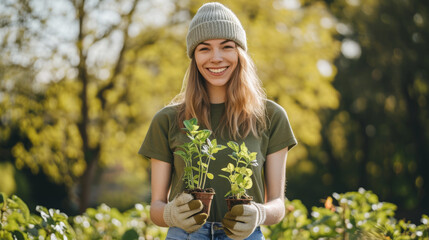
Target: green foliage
{"x": 201, "y": 149}
{"x": 17, "y": 223}
{"x": 54, "y": 224}
{"x": 105, "y": 221}
{"x": 357, "y": 215}
{"x": 239, "y": 174}
{"x": 101, "y": 223}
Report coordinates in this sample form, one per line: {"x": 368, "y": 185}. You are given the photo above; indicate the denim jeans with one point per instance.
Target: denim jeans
{"x": 209, "y": 231}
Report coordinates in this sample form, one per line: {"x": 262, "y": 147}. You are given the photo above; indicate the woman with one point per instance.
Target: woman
{"x": 225, "y": 95}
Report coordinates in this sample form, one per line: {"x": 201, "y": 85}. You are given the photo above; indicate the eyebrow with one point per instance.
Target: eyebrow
{"x": 223, "y": 42}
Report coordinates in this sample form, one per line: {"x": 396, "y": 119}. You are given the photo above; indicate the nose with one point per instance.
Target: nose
{"x": 217, "y": 55}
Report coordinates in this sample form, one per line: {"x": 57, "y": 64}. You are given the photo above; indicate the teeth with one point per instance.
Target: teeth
{"x": 217, "y": 70}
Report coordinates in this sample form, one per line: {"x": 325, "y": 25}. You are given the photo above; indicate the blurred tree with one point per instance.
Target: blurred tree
{"x": 379, "y": 135}
{"x": 75, "y": 106}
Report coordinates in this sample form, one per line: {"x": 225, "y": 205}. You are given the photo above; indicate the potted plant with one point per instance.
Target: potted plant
{"x": 239, "y": 174}
{"x": 197, "y": 154}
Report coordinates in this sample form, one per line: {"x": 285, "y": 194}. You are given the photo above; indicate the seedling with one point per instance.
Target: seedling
{"x": 199, "y": 150}
{"x": 239, "y": 174}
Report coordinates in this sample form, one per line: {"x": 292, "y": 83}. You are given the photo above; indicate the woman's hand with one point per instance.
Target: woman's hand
{"x": 242, "y": 220}
{"x": 182, "y": 213}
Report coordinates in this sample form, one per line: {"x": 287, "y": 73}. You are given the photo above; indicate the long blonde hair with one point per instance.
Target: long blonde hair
{"x": 244, "y": 102}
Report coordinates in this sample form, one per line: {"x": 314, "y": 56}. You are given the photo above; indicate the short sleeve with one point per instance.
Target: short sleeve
{"x": 280, "y": 130}
{"x": 156, "y": 143}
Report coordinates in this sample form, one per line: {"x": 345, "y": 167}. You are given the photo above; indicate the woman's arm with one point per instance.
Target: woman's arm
{"x": 275, "y": 178}
{"x": 160, "y": 184}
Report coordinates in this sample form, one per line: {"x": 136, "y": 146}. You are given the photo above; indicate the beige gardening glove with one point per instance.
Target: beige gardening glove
{"x": 181, "y": 213}
{"x": 242, "y": 220}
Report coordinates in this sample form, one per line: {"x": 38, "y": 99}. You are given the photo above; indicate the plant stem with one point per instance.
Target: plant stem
{"x": 190, "y": 175}
{"x": 200, "y": 179}
{"x": 192, "y": 171}
{"x": 208, "y": 164}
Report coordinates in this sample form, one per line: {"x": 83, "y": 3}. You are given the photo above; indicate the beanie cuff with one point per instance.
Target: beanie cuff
{"x": 215, "y": 30}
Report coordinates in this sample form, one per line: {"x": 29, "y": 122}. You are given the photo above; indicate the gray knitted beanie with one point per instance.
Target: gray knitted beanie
{"x": 214, "y": 21}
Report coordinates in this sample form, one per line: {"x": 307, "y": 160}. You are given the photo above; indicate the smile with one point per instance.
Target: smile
{"x": 217, "y": 70}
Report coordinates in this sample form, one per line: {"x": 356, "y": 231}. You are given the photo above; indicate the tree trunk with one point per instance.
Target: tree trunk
{"x": 90, "y": 155}
{"x": 86, "y": 181}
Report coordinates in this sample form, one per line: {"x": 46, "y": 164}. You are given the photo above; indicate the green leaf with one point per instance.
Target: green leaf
{"x": 191, "y": 124}
{"x": 239, "y": 179}
{"x": 188, "y": 125}
{"x": 23, "y": 207}
{"x": 181, "y": 154}
{"x": 244, "y": 148}
{"x": 130, "y": 234}
{"x": 220, "y": 175}
{"x": 194, "y": 121}
{"x": 11, "y": 203}
{"x": 243, "y": 162}
{"x": 18, "y": 235}
{"x": 241, "y": 170}
{"x": 210, "y": 176}
{"x": 230, "y": 167}
{"x": 204, "y": 134}
{"x": 233, "y": 145}
{"x": 247, "y": 183}
{"x": 233, "y": 177}
{"x": 220, "y": 147}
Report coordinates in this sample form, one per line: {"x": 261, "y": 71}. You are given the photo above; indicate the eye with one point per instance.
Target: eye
{"x": 203, "y": 49}
{"x": 229, "y": 47}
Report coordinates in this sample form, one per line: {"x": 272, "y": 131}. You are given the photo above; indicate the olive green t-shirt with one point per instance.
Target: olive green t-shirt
{"x": 164, "y": 137}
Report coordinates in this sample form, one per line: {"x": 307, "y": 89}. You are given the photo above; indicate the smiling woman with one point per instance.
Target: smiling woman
{"x": 224, "y": 93}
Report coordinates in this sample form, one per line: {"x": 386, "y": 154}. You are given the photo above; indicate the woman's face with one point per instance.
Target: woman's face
{"x": 216, "y": 60}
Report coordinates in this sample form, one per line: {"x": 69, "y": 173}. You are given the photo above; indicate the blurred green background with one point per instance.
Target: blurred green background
{"x": 80, "y": 81}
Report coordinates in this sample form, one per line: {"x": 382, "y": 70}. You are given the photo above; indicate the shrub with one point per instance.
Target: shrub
{"x": 101, "y": 223}
{"x": 357, "y": 215}
{"x": 352, "y": 215}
